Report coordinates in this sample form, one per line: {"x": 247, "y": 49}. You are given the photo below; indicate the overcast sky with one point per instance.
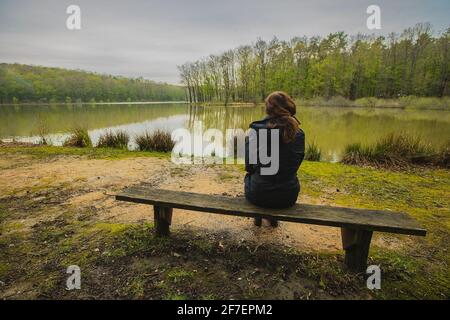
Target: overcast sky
{"x": 150, "y": 38}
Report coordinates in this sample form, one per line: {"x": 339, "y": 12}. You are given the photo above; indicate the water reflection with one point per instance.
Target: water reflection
{"x": 330, "y": 128}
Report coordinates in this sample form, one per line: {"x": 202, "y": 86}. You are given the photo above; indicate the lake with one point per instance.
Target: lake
{"x": 331, "y": 128}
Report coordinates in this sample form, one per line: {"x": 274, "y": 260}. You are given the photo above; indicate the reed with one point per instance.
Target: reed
{"x": 78, "y": 138}
{"x": 157, "y": 141}
{"x": 313, "y": 152}
{"x": 396, "y": 150}
{"x": 116, "y": 140}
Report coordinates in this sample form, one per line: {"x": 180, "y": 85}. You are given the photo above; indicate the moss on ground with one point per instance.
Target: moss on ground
{"x": 43, "y": 152}
{"x": 422, "y": 193}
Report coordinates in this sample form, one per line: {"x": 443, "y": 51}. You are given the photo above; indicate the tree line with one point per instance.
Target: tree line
{"x": 25, "y": 83}
{"x": 414, "y": 62}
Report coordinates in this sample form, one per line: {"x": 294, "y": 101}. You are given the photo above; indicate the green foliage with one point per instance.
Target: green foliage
{"x": 156, "y": 141}
{"x": 26, "y": 83}
{"x": 313, "y": 152}
{"x": 339, "y": 68}
{"x": 396, "y": 150}
{"x": 118, "y": 140}
{"x": 78, "y": 138}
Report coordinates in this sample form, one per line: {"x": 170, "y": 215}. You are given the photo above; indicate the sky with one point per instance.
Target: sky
{"x": 149, "y": 39}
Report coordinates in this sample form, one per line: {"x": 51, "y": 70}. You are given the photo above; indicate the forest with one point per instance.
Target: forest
{"x": 26, "y": 83}
{"x": 412, "y": 63}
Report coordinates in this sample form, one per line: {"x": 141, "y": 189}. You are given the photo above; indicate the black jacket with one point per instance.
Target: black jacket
{"x": 281, "y": 189}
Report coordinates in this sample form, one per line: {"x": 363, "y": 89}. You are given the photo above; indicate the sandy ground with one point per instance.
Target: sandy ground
{"x": 92, "y": 183}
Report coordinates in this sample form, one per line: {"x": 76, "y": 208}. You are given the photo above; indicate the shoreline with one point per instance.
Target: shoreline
{"x": 404, "y": 103}
{"x": 92, "y": 103}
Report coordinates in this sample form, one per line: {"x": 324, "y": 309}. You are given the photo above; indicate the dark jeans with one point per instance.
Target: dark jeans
{"x": 277, "y": 198}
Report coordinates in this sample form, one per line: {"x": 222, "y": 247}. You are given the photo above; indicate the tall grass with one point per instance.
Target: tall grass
{"x": 373, "y": 102}
{"x": 157, "y": 141}
{"x": 337, "y": 101}
{"x": 425, "y": 102}
{"x": 117, "y": 140}
{"x": 78, "y": 138}
{"x": 395, "y": 150}
{"x": 313, "y": 152}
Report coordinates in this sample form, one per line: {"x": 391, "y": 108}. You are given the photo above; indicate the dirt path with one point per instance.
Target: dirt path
{"x": 89, "y": 184}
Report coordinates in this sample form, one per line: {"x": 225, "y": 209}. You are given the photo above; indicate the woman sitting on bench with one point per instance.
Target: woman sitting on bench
{"x": 278, "y": 190}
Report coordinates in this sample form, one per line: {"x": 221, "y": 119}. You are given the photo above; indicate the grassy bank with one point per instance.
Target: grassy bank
{"x": 407, "y": 102}
{"x": 412, "y": 102}
{"x": 44, "y": 152}
{"x": 397, "y": 151}
{"x": 42, "y": 233}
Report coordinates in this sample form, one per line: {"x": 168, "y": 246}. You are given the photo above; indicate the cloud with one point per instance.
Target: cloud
{"x": 150, "y": 38}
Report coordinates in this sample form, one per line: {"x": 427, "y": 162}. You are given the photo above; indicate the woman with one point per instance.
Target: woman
{"x": 279, "y": 190}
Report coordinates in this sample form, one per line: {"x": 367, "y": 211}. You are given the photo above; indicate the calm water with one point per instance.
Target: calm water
{"x": 330, "y": 128}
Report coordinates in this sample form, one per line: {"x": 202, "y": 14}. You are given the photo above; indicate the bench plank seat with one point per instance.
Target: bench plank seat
{"x": 370, "y": 220}
{"x": 357, "y": 225}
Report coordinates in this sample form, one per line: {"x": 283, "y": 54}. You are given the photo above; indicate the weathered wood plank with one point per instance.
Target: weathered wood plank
{"x": 357, "y": 219}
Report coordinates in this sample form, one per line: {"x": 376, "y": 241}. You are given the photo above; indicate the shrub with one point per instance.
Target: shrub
{"x": 377, "y": 102}
{"x": 338, "y": 101}
{"x": 425, "y": 102}
{"x": 78, "y": 138}
{"x": 313, "y": 152}
{"x": 357, "y": 154}
{"x": 370, "y": 102}
{"x": 118, "y": 140}
{"x": 156, "y": 141}
{"x": 392, "y": 151}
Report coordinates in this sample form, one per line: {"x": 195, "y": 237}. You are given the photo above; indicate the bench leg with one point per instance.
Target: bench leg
{"x": 258, "y": 222}
{"x": 163, "y": 219}
{"x": 356, "y": 244}
{"x": 273, "y": 222}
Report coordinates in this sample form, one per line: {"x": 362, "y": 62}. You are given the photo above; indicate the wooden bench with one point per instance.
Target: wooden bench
{"x": 357, "y": 225}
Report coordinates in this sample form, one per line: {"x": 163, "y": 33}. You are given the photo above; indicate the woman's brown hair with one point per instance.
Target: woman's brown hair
{"x": 281, "y": 109}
